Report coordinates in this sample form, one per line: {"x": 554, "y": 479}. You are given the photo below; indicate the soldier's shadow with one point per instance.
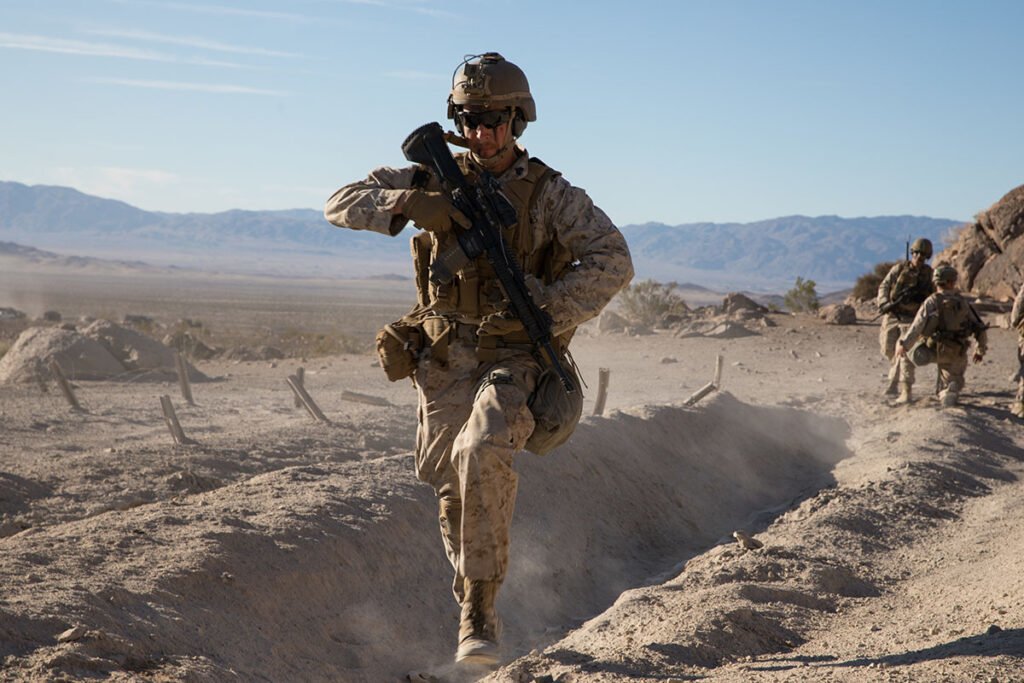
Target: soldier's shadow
{"x": 1003, "y": 643}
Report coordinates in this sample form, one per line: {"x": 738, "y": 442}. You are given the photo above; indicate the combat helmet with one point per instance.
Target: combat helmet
{"x": 922, "y": 245}
{"x": 488, "y": 82}
{"x": 944, "y": 273}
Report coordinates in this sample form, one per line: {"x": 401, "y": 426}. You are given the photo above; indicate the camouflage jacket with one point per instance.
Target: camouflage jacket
{"x": 946, "y": 316}
{"x": 908, "y": 284}
{"x": 602, "y": 263}
{"x": 1017, "y": 313}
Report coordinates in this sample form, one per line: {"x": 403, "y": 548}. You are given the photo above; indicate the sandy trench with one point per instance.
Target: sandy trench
{"x": 279, "y": 549}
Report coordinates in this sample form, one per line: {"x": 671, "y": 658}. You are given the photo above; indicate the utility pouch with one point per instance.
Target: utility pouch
{"x": 948, "y": 350}
{"x": 398, "y": 347}
{"x": 555, "y": 412}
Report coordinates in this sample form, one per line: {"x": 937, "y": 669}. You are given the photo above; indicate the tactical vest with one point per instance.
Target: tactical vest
{"x": 474, "y": 292}
{"x": 954, "y": 319}
{"x": 918, "y": 281}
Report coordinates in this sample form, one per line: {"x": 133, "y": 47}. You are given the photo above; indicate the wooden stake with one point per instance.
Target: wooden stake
{"x": 347, "y": 395}
{"x": 700, "y": 393}
{"x": 307, "y": 401}
{"x": 300, "y": 377}
{"x": 186, "y": 388}
{"x": 177, "y": 433}
{"x": 602, "y": 390}
{"x": 64, "y": 385}
{"x": 718, "y": 371}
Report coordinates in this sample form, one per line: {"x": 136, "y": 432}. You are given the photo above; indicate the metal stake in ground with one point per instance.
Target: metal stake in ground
{"x": 307, "y": 401}
{"x": 177, "y": 433}
{"x": 186, "y": 388}
{"x": 300, "y": 377}
{"x": 709, "y": 387}
{"x": 602, "y": 390}
{"x": 64, "y": 385}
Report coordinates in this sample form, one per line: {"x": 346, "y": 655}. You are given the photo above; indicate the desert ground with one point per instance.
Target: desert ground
{"x": 280, "y": 548}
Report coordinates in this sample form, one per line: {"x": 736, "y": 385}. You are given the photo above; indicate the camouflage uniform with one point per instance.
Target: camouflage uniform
{"x": 914, "y": 285}
{"x": 473, "y": 414}
{"x": 1017, "y": 322}
{"x": 946, "y": 321}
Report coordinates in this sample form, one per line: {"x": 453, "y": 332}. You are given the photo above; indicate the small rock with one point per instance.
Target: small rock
{"x": 72, "y": 634}
{"x": 668, "y": 359}
{"x": 993, "y": 629}
{"x": 227, "y": 577}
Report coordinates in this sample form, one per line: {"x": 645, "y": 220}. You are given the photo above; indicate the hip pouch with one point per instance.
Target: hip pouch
{"x": 398, "y": 346}
{"x": 555, "y": 412}
{"x": 948, "y": 351}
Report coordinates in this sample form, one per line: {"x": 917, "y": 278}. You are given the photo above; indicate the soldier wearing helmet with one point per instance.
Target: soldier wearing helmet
{"x": 945, "y": 323}
{"x": 1017, "y": 323}
{"x": 471, "y": 362}
{"x": 900, "y": 294}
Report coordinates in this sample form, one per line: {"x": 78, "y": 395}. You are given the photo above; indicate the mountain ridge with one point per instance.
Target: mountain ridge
{"x": 830, "y": 249}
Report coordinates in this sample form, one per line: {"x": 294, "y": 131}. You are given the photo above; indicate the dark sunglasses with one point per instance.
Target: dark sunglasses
{"x": 487, "y": 119}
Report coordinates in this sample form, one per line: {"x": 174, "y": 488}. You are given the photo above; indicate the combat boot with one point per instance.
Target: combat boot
{"x": 950, "y": 396}
{"x": 906, "y": 395}
{"x": 894, "y": 383}
{"x": 479, "y": 626}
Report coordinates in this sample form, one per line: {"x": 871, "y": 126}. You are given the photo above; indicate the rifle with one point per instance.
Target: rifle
{"x": 891, "y": 305}
{"x": 489, "y": 212}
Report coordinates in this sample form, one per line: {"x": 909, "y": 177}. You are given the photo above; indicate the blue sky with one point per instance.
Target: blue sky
{"x": 664, "y": 111}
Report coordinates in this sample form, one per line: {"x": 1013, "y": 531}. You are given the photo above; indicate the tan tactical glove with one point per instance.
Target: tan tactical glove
{"x": 432, "y": 211}
{"x": 499, "y": 324}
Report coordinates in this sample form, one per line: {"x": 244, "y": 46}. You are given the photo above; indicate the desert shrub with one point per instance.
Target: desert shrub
{"x": 866, "y": 287}
{"x": 647, "y": 302}
{"x": 803, "y": 297}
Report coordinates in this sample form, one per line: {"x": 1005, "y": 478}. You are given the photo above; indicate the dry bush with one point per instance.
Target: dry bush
{"x": 803, "y": 296}
{"x": 866, "y": 287}
{"x": 649, "y": 301}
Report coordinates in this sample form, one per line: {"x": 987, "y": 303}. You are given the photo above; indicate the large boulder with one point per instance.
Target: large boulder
{"x": 736, "y": 303}
{"x": 838, "y": 314}
{"x": 989, "y": 253}
{"x": 78, "y": 356}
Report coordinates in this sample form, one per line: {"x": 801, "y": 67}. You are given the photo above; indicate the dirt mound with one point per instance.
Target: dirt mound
{"x": 78, "y": 356}
{"x": 101, "y": 351}
{"x": 989, "y": 253}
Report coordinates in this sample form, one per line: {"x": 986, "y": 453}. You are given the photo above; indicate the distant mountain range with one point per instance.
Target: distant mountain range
{"x": 764, "y": 255}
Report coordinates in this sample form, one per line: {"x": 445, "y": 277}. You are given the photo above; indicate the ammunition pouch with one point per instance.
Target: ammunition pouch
{"x": 555, "y": 412}
{"x": 398, "y": 348}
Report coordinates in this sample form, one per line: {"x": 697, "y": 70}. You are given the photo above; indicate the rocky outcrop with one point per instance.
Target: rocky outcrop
{"x": 989, "y": 253}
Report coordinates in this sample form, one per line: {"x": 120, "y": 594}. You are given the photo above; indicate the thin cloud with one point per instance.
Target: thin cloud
{"x": 16, "y": 41}
{"x": 190, "y": 41}
{"x": 416, "y": 7}
{"x": 215, "y": 88}
{"x": 218, "y": 10}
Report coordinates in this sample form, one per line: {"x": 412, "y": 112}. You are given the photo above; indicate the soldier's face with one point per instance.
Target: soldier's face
{"x": 917, "y": 258}
{"x": 485, "y": 141}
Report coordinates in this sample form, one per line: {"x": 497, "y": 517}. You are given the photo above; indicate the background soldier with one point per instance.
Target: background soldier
{"x": 1017, "y": 321}
{"x": 477, "y": 369}
{"x": 900, "y": 294}
{"x": 946, "y": 322}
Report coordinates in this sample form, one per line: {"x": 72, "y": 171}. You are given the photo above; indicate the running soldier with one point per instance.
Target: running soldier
{"x": 1017, "y": 322}
{"x": 474, "y": 367}
{"x": 945, "y": 322}
{"x": 900, "y": 294}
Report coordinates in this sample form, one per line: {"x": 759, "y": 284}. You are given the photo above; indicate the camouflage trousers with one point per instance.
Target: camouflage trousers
{"x": 473, "y": 418}
{"x": 900, "y": 369}
{"x": 951, "y": 374}
{"x": 1020, "y": 372}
